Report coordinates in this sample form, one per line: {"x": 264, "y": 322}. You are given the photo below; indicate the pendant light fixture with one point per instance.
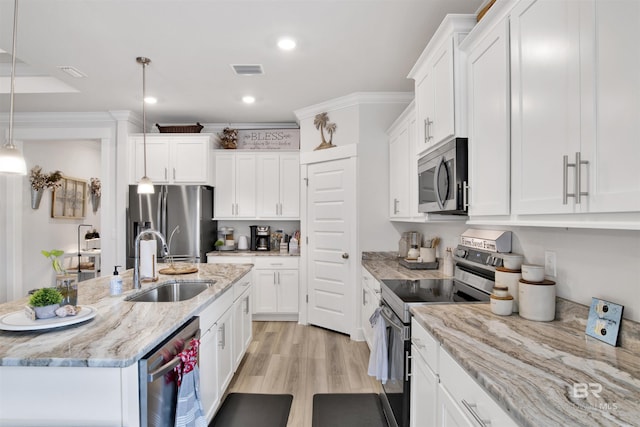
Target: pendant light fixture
{"x": 145, "y": 186}
{"x": 11, "y": 159}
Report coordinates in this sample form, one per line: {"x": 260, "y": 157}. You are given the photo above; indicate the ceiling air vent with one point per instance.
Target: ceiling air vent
{"x": 247, "y": 69}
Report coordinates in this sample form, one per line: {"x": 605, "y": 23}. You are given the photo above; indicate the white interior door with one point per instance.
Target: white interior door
{"x": 331, "y": 221}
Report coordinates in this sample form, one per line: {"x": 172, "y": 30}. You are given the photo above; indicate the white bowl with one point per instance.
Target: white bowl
{"x": 532, "y": 272}
{"x": 512, "y": 261}
{"x": 502, "y": 306}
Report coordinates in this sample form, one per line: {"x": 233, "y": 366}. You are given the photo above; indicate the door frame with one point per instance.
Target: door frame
{"x": 306, "y": 159}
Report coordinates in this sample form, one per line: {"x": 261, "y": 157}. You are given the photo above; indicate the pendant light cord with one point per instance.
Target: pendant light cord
{"x": 13, "y": 74}
{"x": 144, "y": 112}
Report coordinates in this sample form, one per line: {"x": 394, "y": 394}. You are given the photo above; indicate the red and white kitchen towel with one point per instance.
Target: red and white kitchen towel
{"x": 189, "y": 411}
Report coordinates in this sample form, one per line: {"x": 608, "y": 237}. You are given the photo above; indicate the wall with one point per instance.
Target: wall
{"x": 40, "y": 231}
{"x": 590, "y": 263}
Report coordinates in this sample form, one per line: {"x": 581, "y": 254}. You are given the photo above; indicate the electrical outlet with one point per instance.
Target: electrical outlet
{"x": 550, "y": 264}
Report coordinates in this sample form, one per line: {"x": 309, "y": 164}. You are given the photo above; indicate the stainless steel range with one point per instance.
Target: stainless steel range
{"x": 477, "y": 255}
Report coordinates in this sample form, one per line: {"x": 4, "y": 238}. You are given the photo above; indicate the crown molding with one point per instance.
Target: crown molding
{"x": 354, "y": 99}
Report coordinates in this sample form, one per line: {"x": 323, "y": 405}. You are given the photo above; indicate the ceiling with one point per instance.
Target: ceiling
{"x": 343, "y": 46}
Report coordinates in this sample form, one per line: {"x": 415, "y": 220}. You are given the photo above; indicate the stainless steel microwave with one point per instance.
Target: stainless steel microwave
{"x": 442, "y": 179}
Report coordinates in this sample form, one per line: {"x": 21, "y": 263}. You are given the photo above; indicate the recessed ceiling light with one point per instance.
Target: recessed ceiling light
{"x": 248, "y": 99}
{"x": 150, "y": 100}
{"x": 286, "y": 44}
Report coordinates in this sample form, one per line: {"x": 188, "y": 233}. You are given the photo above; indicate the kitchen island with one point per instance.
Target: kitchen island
{"x": 541, "y": 373}
{"x": 87, "y": 374}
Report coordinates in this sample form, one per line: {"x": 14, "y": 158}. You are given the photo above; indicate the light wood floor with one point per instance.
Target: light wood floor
{"x": 288, "y": 358}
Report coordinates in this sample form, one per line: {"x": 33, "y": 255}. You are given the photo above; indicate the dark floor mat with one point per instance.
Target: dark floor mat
{"x": 348, "y": 410}
{"x": 254, "y": 410}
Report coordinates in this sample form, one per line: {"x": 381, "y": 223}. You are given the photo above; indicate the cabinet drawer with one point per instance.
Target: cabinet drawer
{"x": 223, "y": 259}
{"x": 426, "y": 344}
{"x": 210, "y": 314}
{"x": 275, "y": 262}
{"x": 469, "y": 396}
{"x": 241, "y": 286}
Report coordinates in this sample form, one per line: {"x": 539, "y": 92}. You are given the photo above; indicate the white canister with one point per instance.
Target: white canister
{"x": 537, "y": 300}
{"x": 428, "y": 254}
{"x": 509, "y": 280}
{"x": 502, "y": 306}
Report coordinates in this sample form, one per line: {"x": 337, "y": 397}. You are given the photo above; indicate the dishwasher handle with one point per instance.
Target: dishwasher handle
{"x": 171, "y": 364}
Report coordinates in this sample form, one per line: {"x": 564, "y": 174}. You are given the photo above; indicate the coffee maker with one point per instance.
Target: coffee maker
{"x": 260, "y": 238}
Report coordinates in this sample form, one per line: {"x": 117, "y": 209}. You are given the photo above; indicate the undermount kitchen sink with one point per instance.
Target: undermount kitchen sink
{"x": 172, "y": 291}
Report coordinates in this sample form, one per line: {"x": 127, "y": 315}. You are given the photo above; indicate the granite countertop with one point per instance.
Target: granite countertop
{"x": 250, "y": 253}
{"x": 122, "y": 331}
{"x": 530, "y": 368}
{"x": 385, "y": 265}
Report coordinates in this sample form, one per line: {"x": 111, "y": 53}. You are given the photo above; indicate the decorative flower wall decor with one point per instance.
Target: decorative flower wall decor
{"x": 95, "y": 191}
{"x": 321, "y": 122}
{"x": 41, "y": 181}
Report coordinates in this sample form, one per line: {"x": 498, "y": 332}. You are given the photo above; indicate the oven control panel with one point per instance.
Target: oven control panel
{"x": 478, "y": 257}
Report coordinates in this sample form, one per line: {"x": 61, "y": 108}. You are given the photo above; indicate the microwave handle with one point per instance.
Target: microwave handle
{"x": 435, "y": 184}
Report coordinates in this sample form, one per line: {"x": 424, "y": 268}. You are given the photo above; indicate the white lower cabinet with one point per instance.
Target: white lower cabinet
{"x": 370, "y": 301}
{"x": 442, "y": 393}
{"x": 276, "y": 285}
{"x": 225, "y": 335}
{"x": 242, "y": 332}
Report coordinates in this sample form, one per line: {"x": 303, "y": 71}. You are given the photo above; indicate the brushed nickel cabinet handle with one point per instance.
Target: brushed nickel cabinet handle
{"x": 471, "y": 407}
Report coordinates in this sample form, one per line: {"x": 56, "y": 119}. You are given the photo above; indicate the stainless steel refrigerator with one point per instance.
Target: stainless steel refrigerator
{"x": 187, "y": 209}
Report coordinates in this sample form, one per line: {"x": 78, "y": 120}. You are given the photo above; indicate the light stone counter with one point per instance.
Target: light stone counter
{"x": 250, "y": 253}
{"x": 122, "y": 332}
{"x": 385, "y": 265}
{"x": 530, "y": 368}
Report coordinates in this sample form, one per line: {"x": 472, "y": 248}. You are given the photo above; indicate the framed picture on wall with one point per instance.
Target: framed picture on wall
{"x": 70, "y": 199}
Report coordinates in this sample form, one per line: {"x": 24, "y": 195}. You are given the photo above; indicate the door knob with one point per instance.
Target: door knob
{"x": 345, "y": 255}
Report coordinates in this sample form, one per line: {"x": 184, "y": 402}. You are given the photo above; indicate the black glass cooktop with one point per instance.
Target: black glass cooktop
{"x": 433, "y": 291}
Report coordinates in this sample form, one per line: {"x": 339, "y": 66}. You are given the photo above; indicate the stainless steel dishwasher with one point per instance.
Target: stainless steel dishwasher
{"x": 158, "y": 382}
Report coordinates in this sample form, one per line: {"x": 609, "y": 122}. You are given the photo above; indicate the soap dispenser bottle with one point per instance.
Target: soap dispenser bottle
{"x": 115, "y": 286}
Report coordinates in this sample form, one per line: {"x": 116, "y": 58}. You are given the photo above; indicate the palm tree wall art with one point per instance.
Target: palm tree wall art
{"x": 321, "y": 122}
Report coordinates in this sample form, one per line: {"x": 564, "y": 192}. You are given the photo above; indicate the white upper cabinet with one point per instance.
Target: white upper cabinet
{"x": 235, "y": 187}
{"x": 278, "y": 186}
{"x": 575, "y": 107}
{"x": 403, "y": 168}
{"x": 176, "y": 159}
{"x": 489, "y": 114}
{"x": 611, "y": 105}
{"x": 439, "y": 84}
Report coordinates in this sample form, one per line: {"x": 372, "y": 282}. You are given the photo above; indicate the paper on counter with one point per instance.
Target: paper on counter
{"x": 148, "y": 261}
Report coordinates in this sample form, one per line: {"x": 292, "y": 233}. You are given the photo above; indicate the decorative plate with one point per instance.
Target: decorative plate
{"x": 18, "y": 321}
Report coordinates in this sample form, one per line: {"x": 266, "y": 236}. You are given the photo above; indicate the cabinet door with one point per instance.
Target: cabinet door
{"x": 290, "y": 185}
{"x": 443, "y": 126}
{"x": 449, "y": 413}
{"x": 224, "y": 361}
{"x": 245, "y": 191}
{"x": 424, "y": 390}
{"x": 545, "y": 102}
{"x": 208, "y": 373}
{"x": 268, "y": 185}
{"x": 157, "y": 159}
{"x": 247, "y": 319}
{"x": 225, "y": 192}
{"x": 265, "y": 291}
{"x": 611, "y": 113}
{"x": 238, "y": 340}
{"x": 424, "y": 108}
{"x": 190, "y": 160}
{"x": 287, "y": 288}
{"x": 489, "y": 123}
{"x": 399, "y": 174}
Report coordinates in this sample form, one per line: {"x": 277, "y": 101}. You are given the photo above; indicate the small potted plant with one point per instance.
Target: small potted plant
{"x": 54, "y": 255}
{"x": 45, "y": 302}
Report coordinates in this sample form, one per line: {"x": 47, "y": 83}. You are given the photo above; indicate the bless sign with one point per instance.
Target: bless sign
{"x": 269, "y": 139}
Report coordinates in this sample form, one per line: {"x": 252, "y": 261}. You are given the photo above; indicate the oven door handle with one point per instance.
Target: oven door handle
{"x": 390, "y": 320}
